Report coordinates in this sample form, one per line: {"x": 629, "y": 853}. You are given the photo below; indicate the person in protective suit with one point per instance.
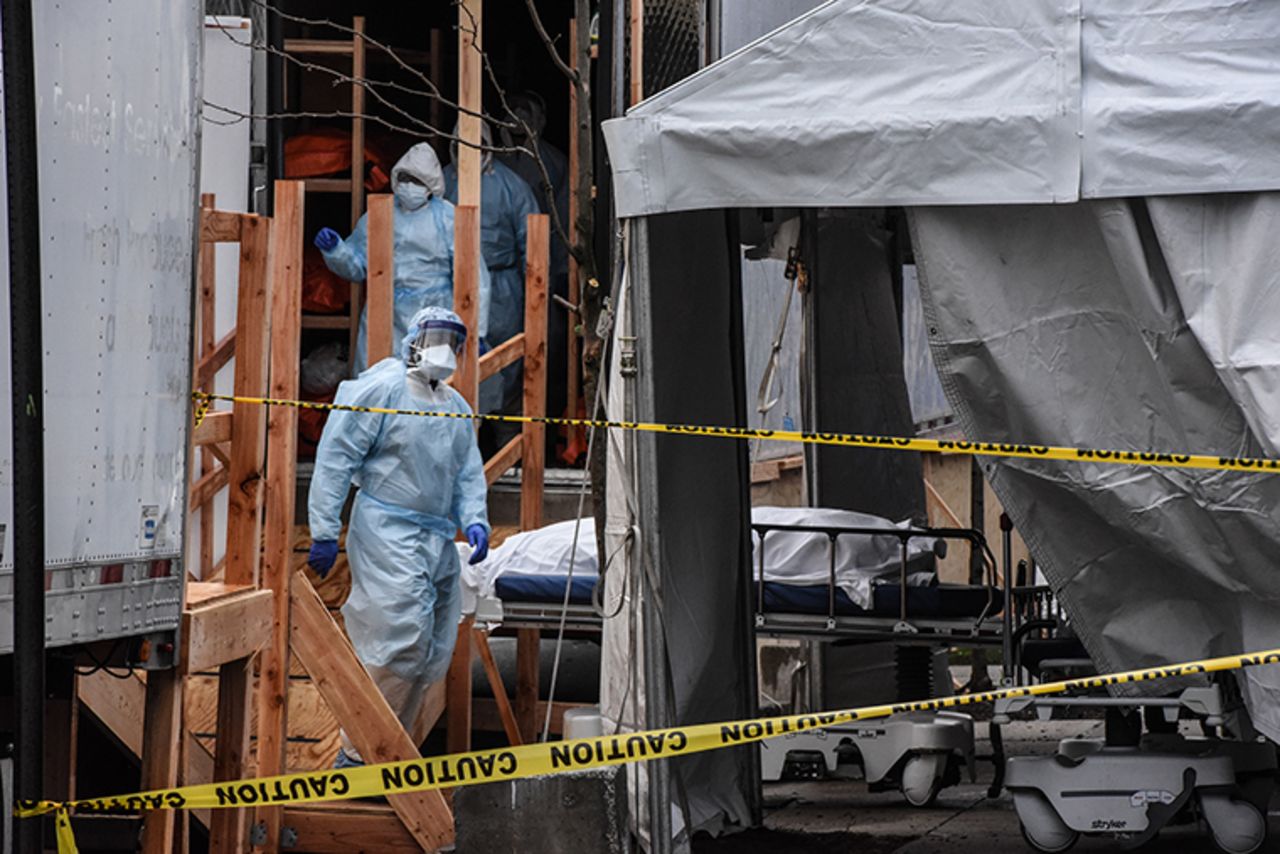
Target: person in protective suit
{"x": 420, "y": 480}
{"x": 506, "y": 202}
{"x": 423, "y": 241}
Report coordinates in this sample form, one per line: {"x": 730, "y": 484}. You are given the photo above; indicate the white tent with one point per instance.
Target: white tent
{"x": 1090, "y": 188}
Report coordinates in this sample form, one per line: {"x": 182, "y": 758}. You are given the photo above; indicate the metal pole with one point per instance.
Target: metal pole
{"x": 27, "y": 388}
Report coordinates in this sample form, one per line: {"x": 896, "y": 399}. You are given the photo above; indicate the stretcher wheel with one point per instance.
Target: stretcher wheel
{"x": 1042, "y": 827}
{"x": 922, "y": 778}
{"x": 1238, "y": 827}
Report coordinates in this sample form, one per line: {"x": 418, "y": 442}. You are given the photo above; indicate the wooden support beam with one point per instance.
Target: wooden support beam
{"x": 509, "y": 725}
{"x": 220, "y": 226}
{"x": 380, "y": 278}
{"x": 207, "y": 486}
{"x": 499, "y": 463}
{"x": 357, "y": 120}
{"x": 224, "y": 630}
{"x": 636, "y": 22}
{"x": 229, "y": 829}
{"x": 208, "y": 321}
{"x": 249, "y": 421}
{"x": 458, "y": 691}
{"x": 507, "y": 353}
{"x": 161, "y": 754}
{"x": 537, "y": 264}
{"x": 528, "y": 646}
{"x": 343, "y": 827}
{"x": 215, "y": 356}
{"x": 361, "y": 709}
{"x": 213, "y": 430}
{"x": 282, "y": 456}
{"x": 466, "y": 297}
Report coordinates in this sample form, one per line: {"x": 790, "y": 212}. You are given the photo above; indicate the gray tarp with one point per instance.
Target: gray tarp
{"x": 921, "y": 102}
{"x": 1133, "y": 325}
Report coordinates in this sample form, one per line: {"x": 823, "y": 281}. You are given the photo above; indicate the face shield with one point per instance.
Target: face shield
{"x": 435, "y": 348}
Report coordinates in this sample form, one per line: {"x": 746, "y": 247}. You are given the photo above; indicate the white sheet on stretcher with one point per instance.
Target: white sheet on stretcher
{"x": 791, "y": 557}
{"x": 802, "y": 558}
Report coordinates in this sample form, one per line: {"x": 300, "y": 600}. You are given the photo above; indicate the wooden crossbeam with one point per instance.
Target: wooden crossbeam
{"x": 214, "y": 429}
{"x": 503, "y": 460}
{"x": 509, "y": 725}
{"x": 507, "y": 353}
{"x": 220, "y": 226}
{"x": 361, "y": 709}
{"x": 207, "y": 486}
{"x": 215, "y": 359}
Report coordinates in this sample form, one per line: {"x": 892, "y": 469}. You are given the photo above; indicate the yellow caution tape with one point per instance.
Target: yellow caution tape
{"x": 847, "y": 440}
{"x": 514, "y": 763}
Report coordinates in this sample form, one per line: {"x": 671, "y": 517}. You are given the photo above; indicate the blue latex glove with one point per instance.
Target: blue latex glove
{"x": 327, "y": 239}
{"x": 479, "y": 539}
{"x": 322, "y": 555}
{"x": 484, "y": 347}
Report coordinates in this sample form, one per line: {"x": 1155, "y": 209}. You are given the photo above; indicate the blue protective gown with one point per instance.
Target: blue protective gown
{"x": 506, "y": 202}
{"x": 423, "y": 253}
{"x": 420, "y": 479}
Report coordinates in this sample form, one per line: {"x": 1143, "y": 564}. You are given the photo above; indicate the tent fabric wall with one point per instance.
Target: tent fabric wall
{"x": 691, "y": 507}
{"x": 915, "y": 102}
{"x": 1130, "y": 325}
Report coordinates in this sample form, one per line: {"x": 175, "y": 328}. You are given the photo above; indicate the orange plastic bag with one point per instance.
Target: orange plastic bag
{"x": 323, "y": 291}
{"x": 327, "y": 151}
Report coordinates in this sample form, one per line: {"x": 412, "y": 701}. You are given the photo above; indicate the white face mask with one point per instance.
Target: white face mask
{"x": 437, "y": 363}
{"x": 411, "y": 196}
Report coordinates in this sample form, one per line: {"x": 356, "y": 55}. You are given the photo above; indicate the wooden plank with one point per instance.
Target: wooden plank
{"x": 328, "y": 185}
{"x": 325, "y": 321}
{"x": 537, "y": 265}
{"x": 466, "y": 294}
{"x": 221, "y": 226}
{"x": 507, "y": 353}
{"x": 636, "y": 23}
{"x": 380, "y": 277}
{"x": 500, "y": 462}
{"x": 230, "y": 827}
{"x": 509, "y": 725}
{"x": 528, "y": 647}
{"x": 357, "y": 120}
{"x": 230, "y": 629}
{"x": 458, "y": 691}
{"x": 362, "y": 710}
{"x": 485, "y": 716}
{"x": 470, "y": 100}
{"x": 213, "y": 430}
{"x": 282, "y": 455}
{"x": 207, "y": 486}
{"x": 199, "y": 594}
{"x": 214, "y": 358}
{"x": 340, "y": 828}
{"x": 249, "y": 421}
{"x": 318, "y": 47}
{"x": 161, "y": 752}
{"x": 208, "y": 320}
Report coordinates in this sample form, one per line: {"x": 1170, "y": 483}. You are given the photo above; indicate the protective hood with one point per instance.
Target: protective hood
{"x": 421, "y": 162}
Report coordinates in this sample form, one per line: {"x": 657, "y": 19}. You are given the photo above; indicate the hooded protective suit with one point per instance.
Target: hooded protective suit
{"x": 420, "y": 479}
{"x": 505, "y": 204}
{"x": 423, "y": 252}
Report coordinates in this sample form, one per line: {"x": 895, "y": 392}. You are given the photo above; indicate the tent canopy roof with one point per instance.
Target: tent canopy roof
{"x": 924, "y": 102}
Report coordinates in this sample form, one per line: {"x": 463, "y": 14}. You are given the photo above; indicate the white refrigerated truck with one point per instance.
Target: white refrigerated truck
{"x": 118, "y": 104}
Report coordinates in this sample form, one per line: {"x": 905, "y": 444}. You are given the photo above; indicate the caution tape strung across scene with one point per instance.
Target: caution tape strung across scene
{"x": 849, "y": 440}
{"x": 530, "y": 760}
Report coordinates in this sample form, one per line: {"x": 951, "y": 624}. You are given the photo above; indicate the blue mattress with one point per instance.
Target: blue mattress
{"x": 513, "y": 587}
{"x": 922, "y": 602}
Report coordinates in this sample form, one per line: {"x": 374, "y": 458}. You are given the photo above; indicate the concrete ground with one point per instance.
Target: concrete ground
{"x": 837, "y": 816}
